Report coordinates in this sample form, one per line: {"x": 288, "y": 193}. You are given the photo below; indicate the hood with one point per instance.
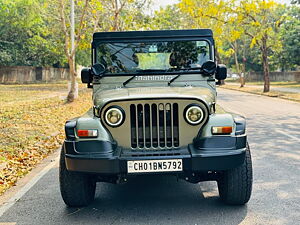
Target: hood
{"x": 204, "y": 94}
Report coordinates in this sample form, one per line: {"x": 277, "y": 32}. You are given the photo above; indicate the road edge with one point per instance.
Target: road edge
{"x": 12, "y": 195}
{"x": 260, "y": 94}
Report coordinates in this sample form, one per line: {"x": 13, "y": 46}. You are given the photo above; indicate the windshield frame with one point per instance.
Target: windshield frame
{"x": 209, "y": 40}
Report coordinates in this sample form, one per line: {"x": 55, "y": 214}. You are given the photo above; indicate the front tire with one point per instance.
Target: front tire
{"x": 235, "y": 185}
{"x": 77, "y": 189}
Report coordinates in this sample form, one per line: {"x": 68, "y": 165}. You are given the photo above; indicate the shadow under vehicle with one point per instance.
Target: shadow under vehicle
{"x": 154, "y": 112}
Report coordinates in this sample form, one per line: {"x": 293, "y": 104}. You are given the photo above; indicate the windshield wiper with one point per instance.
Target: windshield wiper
{"x": 174, "y": 78}
{"x": 184, "y": 69}
{"x": 127, "y": 81}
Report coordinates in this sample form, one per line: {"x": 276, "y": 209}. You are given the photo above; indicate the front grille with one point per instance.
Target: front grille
{"x": 154, "y": 125}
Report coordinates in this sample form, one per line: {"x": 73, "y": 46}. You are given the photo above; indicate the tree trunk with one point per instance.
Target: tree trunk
{"x": 218, "y": 57}
{"x": 116, "y": 17}
{"x": 265, "y": 65}
{"x": 237, "y": 65}
{"x": 73, "y": 75}
{"x": 244, "y": 64}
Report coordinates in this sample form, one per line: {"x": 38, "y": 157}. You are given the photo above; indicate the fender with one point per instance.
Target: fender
{"x": 236, "y": 140}
{"x": 100, "y": 144}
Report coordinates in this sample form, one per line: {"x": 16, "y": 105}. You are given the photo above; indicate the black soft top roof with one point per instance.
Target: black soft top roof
{"x": 105, "y": 36}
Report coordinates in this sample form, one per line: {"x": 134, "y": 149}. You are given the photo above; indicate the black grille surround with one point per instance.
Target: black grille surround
{"x": 154, "y": 125}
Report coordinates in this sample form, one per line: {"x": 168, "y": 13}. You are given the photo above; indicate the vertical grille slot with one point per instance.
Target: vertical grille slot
{"x": 133, "y": 126}
{"x": 175, "y": 125}
{"x": 154, "y": 125}
{"x": 169, "y": 135}
{"x": 140, "y": 133}
{"x": 147, "y": 125}
{"x": 161, "y": 132}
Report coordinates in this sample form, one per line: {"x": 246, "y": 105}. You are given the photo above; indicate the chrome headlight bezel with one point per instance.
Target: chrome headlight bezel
{"x": 186, "y": 114}
{"x": 120, "y": 112}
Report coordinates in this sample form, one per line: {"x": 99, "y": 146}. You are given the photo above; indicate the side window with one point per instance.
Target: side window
{"x": 203, "y": 52}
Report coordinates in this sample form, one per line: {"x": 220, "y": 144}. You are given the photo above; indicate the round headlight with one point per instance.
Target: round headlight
{"x": 194, "y": 114}
{"x": 114, "y": 116}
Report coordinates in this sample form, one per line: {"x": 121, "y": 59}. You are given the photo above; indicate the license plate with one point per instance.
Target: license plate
{"x": 152, "y": 166}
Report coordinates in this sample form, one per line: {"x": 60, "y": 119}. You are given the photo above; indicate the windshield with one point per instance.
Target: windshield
{"x": 153, "y": 56}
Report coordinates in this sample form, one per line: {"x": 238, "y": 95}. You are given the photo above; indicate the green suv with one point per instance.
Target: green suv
{"x": 154, "y": 112}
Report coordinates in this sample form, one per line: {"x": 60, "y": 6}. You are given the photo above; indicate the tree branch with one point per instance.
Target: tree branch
{"x": 212, "y": 17}
{"x": 64, "y": 27}
{"x": 122, "y": 6}
{"x": 251, "y": 35}
{"x": 80, "y": 28}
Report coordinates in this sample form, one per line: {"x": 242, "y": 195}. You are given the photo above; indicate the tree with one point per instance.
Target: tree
{"x": 206, "y": 14}
{"x": 120, "y": 15}
{"x": 289, "y": 57}
{"x": 164, "y": 19}
{"x": 233, "y": 18}
{"x": 261, "y": 23}
{"x": 218, "y": 16}
{"x": 69, "y": 50}
{"x": 25, "y": 37}
{"x": 93, "y": 15}
{"x": 86, "y": 19}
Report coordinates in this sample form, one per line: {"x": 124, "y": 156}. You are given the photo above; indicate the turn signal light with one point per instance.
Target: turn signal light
{"x": 87, "y": 133}
{"x": 221, "y": 130}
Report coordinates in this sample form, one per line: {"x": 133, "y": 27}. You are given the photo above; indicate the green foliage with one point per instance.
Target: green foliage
{"x": 289, "y": 57}
{"x": 25, "y": 37}
{"x": 248, "y": 29}
{"x": 121, "y": 15}
{"x": 165, "y": 19}
{"x": 31, "y": 31}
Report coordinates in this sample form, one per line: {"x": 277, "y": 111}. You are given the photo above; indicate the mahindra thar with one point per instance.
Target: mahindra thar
{"x": 154, "y": 112}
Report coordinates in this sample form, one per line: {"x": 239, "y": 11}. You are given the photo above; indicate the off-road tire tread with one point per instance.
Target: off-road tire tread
{"x": 235, "y": 185}
{"x": 77, "y": 189}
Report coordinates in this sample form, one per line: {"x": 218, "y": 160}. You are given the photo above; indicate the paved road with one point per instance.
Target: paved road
{"x": 274, "y": 134}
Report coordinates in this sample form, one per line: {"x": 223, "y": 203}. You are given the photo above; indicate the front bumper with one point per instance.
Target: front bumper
{"x": 195, "y": 158}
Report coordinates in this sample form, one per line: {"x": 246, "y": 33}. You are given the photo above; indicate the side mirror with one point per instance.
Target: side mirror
{"x": 209, "y": 67}
{"x": 86, "y": 76}
{"x": 221, "y": 73}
